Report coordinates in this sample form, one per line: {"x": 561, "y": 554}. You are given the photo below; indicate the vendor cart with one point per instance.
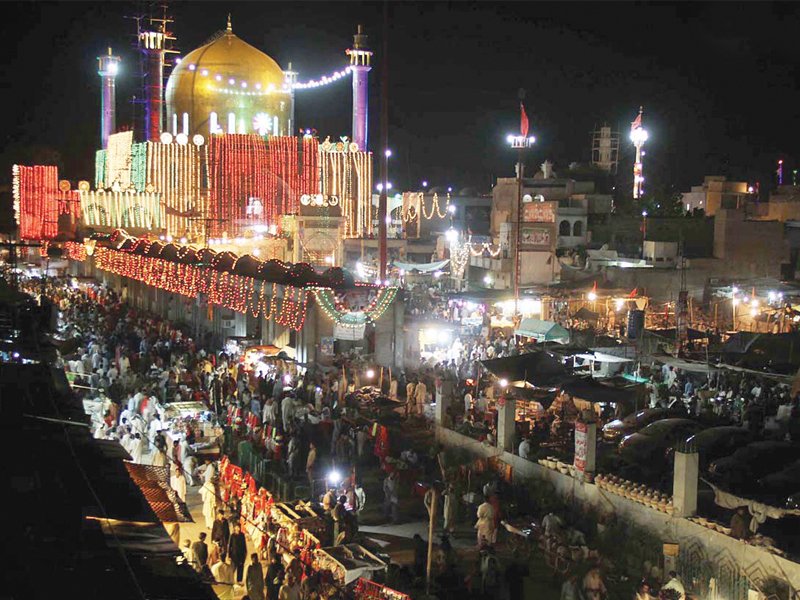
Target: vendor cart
{"x": 348, "y": 562}
{"x": 300, "y": 524}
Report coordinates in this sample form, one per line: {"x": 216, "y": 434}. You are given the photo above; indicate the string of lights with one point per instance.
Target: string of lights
{"x": 225, "y": 289}
{"x": 339, "y": 314}
{"x": 75, "y": 251}
{"x": 415, "y": 206}
{"x": 39, "y": 198}
{"x": 322, "y": 81}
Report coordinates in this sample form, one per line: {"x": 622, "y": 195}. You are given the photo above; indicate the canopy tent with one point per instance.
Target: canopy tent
{"x": 692, "y": 334}
{"x": 422, "y": 267}
{"x": 603, "y": 357}
{"x": 585, "y": 314}
{"x": 685, "y": 365}
{"x": 542, "y": 331}
{"x": 740, "y": 342}
{"x": 591, "y": 390}
{"x": 539, "y": 368}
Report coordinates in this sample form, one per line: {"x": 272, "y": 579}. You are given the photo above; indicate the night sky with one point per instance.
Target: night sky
{"x": 718, "y": 82}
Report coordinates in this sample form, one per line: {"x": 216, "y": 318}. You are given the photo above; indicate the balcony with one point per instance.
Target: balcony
{"x": 492, "y": 264}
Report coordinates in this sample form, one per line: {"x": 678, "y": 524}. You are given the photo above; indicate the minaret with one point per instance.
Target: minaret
{"x": 108, "y": 68}
{"x": 151, "y": 44}
{"x": 638, "y": 137}
{"x": 289, "y": 79}
{"x": 360, "y": 57}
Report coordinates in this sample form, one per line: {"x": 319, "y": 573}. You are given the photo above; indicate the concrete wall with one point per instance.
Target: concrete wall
{"x": 754, "y": 562}
{"x": 758, "y": 247}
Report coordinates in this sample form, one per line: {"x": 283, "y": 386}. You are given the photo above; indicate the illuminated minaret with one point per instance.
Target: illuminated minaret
{"x": 638, "y": 137}
{"x": 151, "y": 45}
{"x": 108, "y": 68}
{"x": 360, "y": 57}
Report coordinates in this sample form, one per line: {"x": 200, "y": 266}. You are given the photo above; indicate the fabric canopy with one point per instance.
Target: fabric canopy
{"x": 543, "y": 331}
{"x": 603, "y": 357}
{"x": 692, "y": 334}
{"x": 539, "y": 368}
{"x": 759, "y": 511}
{"x": 591, "y": 390}
{"x": 422, "y": 267}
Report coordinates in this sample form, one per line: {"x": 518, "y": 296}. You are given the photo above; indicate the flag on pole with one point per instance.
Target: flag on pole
{"x": 637, "y": 122}
{"x": 523, "y": 120}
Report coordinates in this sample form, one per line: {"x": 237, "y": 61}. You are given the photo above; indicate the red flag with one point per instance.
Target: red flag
{"x": 523, "y": 120}
{"x": 637, "y": 122}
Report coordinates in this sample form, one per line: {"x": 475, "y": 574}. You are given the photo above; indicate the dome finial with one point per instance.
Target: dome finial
{"x": 230, "y": 29}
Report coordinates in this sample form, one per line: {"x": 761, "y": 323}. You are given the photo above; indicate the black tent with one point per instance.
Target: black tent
{"x": 539, "y": 368}
{"x": 586, "y": 315}
{"x": 591, "y": 390}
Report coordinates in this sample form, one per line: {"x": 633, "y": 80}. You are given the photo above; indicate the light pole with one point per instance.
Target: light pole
{"x": 520, "y": 143}
{"x": 644, "y": 229}
{"x": 638, "y": 137}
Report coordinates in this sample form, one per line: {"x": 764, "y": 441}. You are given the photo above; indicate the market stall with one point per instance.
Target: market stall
{"x": 349, "y": 562}
{"x": 300, "y": 525}
{"x": 182, "y": 417}
{"x": 371, "y": 403}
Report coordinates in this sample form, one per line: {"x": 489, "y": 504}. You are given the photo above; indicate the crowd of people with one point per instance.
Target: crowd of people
{"x": 133, "y": 365}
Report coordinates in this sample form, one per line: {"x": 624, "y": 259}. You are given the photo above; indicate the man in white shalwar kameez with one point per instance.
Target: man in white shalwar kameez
{"x": 208, "y": 494}
{"x": 137, "y": 448}
{"x": 178, "y": 482}
{"x": 485, "y": 524}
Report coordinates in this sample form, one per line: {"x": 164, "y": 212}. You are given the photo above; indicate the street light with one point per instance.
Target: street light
{"x": 520, "y": 143}
{"x": 388, "y": 153}
{"x": 334, "y": 478}
{"x": 644, "y": 229}
{"x": 425, "y": 184}
{"x": 638, "y": 137}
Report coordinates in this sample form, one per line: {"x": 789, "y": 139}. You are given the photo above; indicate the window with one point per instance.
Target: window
{"x": 564, "y": 228}
{"x": 577, "y": 228}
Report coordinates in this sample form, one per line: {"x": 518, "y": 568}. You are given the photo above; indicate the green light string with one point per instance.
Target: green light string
{"x": 139, "y": 166}
{"x": 100, "y": 169}
{"x": 326, "y": 299}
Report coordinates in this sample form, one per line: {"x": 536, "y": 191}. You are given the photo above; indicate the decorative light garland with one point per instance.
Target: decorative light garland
{"x": 414, "y": 205}
{"x": 174, "y": 171}
{"x": 322, "y": 81}
{"x": 75, "y": 251}
{"x": 141, "y": 210}
{"x": 38, "y": 200}
{"x": 225, "y": 289}
{"x": 334, "y": 310}
{"x": 346, "y": 173}
{"x": 100, "y": 169}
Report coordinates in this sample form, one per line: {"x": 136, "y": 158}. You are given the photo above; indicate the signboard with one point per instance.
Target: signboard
{"x": 581, "y": 429}
{"x": 326, "y": 346}
{"x": 349, "y": 332}
{"x": 539, "y": 212}
{"x": 535, "y": 236}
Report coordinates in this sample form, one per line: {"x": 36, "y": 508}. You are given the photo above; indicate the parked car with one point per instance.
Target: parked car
{"x": 649, "y": 447}
{"x": 741, "y": 471}
{"x": 782, "y": 488}
{"x": 718, "y": 442}
{"x": 615, "y": 430}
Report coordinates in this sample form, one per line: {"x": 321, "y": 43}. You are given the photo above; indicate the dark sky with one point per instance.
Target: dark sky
{"x": 718, "y": 81}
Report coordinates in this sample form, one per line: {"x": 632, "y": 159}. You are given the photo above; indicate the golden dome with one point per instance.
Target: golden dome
{"x": 241, "y": 86}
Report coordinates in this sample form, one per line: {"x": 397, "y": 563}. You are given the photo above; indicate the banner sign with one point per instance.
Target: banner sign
{"x": 581, "y": 430}
{"x": 539, "y": 212}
